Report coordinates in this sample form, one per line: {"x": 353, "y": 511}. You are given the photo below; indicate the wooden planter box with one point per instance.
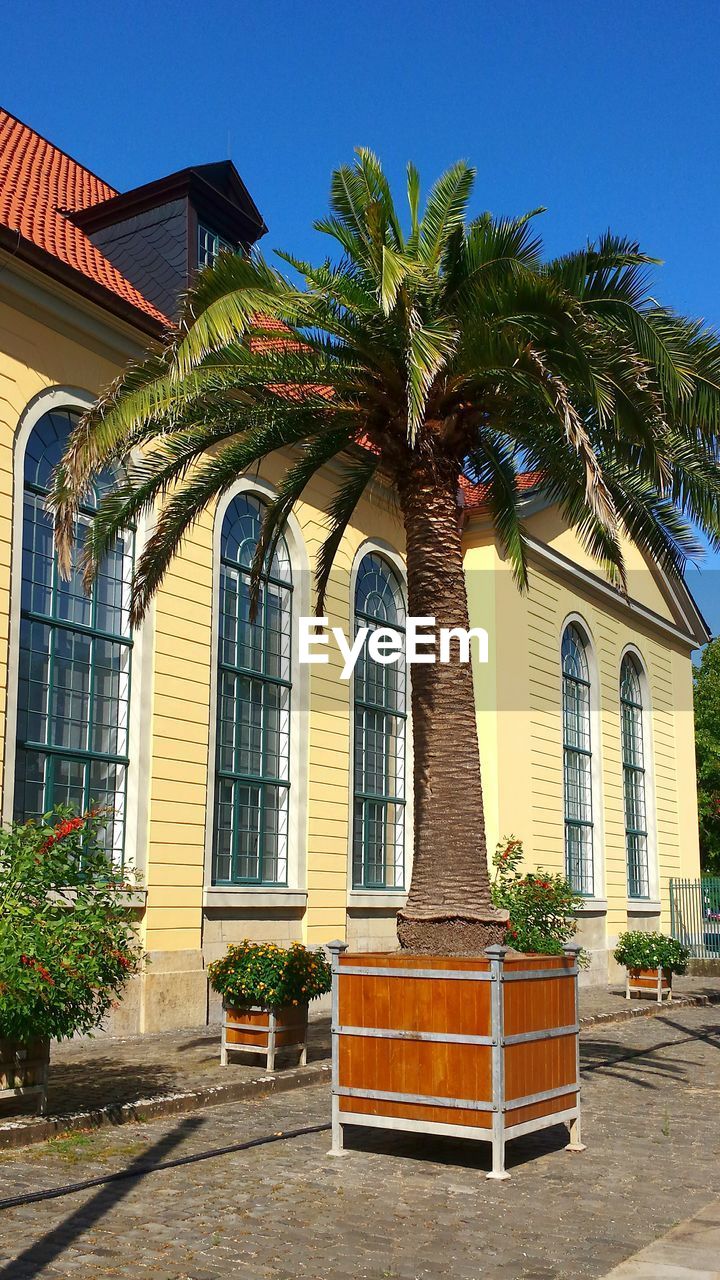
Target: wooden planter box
{"x": 24, "y": 1072}
{"x": 255, "y": 1029}
{"x": 483, "y": 1047}
{"x": 649, "y": 982}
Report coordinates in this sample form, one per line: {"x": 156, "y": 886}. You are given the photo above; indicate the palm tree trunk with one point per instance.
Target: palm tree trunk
{"x": 448, "y": 910}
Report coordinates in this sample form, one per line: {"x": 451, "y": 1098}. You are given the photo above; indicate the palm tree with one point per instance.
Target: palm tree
{"x": 426, "y": 352}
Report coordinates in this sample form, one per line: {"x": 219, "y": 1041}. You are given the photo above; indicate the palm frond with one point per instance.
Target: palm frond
{"x": 445, "y": 211}
{"x": 340, "y": 512}
{"x": 493, "y": 464}
{"x": 430, "y": 346}
{"x": 315, "y": 453}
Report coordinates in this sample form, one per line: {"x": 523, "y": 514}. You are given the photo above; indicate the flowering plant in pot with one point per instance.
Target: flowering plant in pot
{"x": 542, "y": 904}
{"x": 651, "y": 959}
{"x": 266, "y": 991}
{"x": 68, "y": 940}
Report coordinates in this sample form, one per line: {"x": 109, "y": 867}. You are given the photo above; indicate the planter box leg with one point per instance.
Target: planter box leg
{"x": 498, "y": 1150}
{"x": 337, "y": 1148}
{"x": 271, "y": 1042}
{"x": 496, "y": 956}
{"x": 336, "y": 949}
{"x": 576, "y": 1143}
{"x": 42, "y": 1108}
{"x": 303, "y": 1055}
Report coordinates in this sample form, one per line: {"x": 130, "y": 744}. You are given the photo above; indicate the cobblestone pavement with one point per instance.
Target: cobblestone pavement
{"x": 395, "y": 1205}
{"x": 89, "y": 1074}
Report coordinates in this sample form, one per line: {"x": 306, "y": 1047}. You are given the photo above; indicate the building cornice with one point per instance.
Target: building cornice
{"x": 16, "y": 250}
{"x": 591, "y": 583}
{"x": 43, "y": 297}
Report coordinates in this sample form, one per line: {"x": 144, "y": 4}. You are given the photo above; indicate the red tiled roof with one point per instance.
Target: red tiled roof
{"x": 37, "y": 181}
{"x": 476, "y": 495}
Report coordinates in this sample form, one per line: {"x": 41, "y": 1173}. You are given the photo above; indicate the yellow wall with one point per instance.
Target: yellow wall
{"x": 519, "y": 714}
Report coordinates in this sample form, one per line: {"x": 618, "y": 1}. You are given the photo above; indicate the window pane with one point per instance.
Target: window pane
{"x": 223, "y": 830}
{"x": 247, "y": 820}
{"x": 70, "y": 690}
{"x": 74, "y": 682}
{"x": 577, "y": 762}
{"x": 253, "y": 711}
{"x": 30, "y": 788}
{"x": 379, "y": 736}
{"x": 106, "y": 791}
{"x": 38, "y": 557}
{"x": 209, "y": 246}
{"x": 633, "y": 757}
{"x": 69, "y": 779}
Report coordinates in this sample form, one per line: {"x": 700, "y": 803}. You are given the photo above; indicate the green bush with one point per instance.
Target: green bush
{"x": 68, "y": 942}
{"x": 542, "y": 904}
{"x": 268, "y": 975}
{"x": 637, "y": 950}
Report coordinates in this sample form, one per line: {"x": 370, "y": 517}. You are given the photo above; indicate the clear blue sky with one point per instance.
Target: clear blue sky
{"x": 607, "y": 113}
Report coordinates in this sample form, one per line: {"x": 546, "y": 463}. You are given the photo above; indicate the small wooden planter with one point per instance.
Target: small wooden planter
{"x": 24, "y": 1072}
{"x": 483, "y": 1047}
{"x": 654, "y": 982}
{"x": 254, "y": 1029}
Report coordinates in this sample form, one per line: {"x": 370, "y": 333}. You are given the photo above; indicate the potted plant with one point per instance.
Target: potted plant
{"x": 650, "y": 960}
{"x": 67, "y": 942}
{"x": 266, "y": 991}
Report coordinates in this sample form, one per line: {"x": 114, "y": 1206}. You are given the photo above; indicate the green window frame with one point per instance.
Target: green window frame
{"x": 252, "y": 776}
{"x": 210, "y": 246}
{"x": 634, "y": 790}
{"x": 577, "y": 762}
{"x": 74, "y": 659}
{"x": 379, "y": 698}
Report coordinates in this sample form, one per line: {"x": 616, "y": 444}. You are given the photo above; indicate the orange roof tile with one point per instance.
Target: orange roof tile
{"x": 476, "y": 495}
{"x": 37, "y": 182}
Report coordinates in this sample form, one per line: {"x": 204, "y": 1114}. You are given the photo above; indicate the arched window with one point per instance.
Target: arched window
{"x": 577, "y": 761}
{"x": 253, "y": 709}
{"x": 74, "y": 659}
{"x": 633, "y": 762}
{"x": 379, "y": 741}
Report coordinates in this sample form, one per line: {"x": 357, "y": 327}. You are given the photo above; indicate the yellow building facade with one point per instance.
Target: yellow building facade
{"x": 571, "y": 652}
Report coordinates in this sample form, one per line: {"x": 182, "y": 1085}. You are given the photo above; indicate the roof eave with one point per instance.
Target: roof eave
{"x": 538, "y": 499}
{"x": 186, "y": 182}
{"x": 23, "y": 249}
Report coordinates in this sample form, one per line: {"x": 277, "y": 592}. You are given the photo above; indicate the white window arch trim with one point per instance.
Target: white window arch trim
{"x": 393, "y": 899}
{"x": 651, "y": 904}
{"x": 295, "y": 893}
{"x": 137, "y": 796}
{"x": 597, "y": 901}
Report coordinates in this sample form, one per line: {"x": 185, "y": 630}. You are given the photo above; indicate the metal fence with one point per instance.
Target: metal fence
{"x": 695, "y": 915}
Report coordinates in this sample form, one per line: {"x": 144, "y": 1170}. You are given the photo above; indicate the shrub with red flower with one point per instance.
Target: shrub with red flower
{"x": 542, "y": 904}
{"x": 68, "y": 939}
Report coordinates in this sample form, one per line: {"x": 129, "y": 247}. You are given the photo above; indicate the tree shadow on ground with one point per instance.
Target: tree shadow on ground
{"x": 104, "y": 1082}
{"x": 642, "y": 1066}
{"x": 45, "y": 1251}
